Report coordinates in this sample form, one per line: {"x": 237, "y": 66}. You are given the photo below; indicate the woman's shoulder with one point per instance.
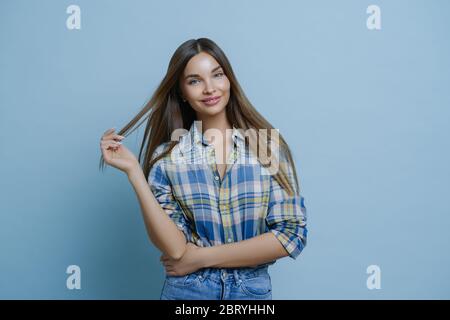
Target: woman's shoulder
{"x": 160, "y": 149}
{"x": 158, "y": 166}
{"x": 172, "y": 153}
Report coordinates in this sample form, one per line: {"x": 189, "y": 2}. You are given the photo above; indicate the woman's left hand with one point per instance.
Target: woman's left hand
{"x": 189, "y": 262}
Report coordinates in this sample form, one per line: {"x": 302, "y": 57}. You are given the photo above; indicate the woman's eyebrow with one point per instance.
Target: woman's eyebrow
{"x": 196, "y": 75}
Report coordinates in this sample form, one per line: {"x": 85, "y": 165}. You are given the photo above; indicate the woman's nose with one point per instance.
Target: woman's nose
{"x": 209, "y": 87}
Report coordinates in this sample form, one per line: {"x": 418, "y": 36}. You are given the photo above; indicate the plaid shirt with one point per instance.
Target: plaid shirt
{"x": 213, "y": 211}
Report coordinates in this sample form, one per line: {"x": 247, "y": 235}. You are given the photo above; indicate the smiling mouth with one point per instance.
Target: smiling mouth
{"x": 211, "y": 102}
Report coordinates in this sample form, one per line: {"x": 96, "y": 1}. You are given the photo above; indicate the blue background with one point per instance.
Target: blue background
{"x": 366, "y": 114}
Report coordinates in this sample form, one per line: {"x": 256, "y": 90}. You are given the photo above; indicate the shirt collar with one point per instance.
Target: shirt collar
{"x": 196, "y": 137}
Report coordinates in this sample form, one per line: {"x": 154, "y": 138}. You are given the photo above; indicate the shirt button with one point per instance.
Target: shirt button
{"x": 216, "y": 177}
{"x": 229, "y": 240}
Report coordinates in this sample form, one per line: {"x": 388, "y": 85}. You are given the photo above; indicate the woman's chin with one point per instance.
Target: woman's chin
{"x": 213, "y": 110}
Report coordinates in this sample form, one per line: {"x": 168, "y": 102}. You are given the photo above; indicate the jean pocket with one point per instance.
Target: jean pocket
{"x": 257, "y": 287}
{"x": 182, "y": 281}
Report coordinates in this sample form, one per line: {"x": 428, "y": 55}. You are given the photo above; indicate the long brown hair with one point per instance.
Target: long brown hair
{"x": 166, "y": 111}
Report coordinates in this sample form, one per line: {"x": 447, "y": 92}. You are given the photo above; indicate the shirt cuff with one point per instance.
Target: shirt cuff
{"x": 293, "y": 245}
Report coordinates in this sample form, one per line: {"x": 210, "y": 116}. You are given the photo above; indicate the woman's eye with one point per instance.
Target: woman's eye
{"x": 220, "y": 74}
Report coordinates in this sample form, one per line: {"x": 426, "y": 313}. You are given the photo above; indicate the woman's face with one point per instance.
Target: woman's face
{"x": 203, "y": 78}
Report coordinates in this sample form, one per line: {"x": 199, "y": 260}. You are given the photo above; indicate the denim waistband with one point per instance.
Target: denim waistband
{"x": 231, "y": 274}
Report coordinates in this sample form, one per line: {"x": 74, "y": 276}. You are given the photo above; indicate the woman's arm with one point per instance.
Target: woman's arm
{"x": 247, "y": 253}
{"x": 161, "y": 229}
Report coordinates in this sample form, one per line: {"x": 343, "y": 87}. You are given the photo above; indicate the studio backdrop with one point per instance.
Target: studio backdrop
{"x": 359, "y": 89}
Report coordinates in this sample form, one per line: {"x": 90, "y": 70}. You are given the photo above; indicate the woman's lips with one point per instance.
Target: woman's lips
{"x": 211, "y": 102}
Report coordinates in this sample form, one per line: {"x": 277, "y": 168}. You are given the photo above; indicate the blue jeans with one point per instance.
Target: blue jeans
{"x": 219, "y": 284}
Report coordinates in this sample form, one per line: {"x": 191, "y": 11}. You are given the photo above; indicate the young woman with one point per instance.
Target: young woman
{"x": 217, "y": 206}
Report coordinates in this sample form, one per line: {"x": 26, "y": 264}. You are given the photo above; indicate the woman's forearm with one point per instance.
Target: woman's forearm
{"x": 247, "y": 253}
{"x": 161, "y": 229}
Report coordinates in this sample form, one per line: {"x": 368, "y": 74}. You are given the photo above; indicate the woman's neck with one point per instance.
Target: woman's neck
{"x": 219, "y": 122}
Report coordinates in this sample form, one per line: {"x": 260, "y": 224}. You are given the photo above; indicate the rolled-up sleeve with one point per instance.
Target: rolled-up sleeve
{"x": 287, "y": 216}
{"x": 162, "y": 190}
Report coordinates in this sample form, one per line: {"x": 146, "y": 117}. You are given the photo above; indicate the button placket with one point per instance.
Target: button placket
{"x": 224, "y": 208}
{"x": 212, "y": 164}
{"x": 223, "y": 194}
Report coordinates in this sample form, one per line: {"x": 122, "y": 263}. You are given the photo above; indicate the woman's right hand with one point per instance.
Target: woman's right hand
{"x": 116, "y": 154}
